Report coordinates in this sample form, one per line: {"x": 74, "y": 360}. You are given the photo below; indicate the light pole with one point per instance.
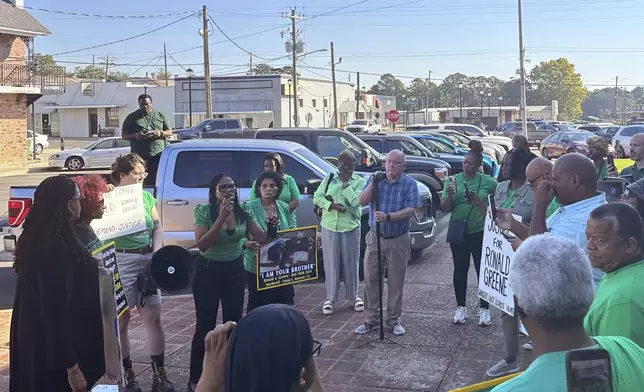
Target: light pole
{"x": 500, "y": 116}
{"x": 482, "y": 93}
{"x": 290, "y": 85}
{"x": 489, "y": 103}
{"x": 460, "y": 102}
{"x": 190, "y": 74}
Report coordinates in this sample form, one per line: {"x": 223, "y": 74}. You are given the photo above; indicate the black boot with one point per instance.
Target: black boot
{"x": 160, "y": 381}
{"x": 130, "y": 381}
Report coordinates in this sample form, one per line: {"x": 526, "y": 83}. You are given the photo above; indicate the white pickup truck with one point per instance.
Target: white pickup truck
{"x": 185, "y": 171}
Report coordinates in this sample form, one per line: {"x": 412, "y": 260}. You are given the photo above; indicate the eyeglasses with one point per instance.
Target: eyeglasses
{"x": 530, "y": 182}
{"x": 317, "y": 348}
{"x": 226, "y": 187}
{"x": 140, "y": 175}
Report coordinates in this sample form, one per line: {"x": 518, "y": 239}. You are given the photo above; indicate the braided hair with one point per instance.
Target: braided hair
{"x": 47, "y": 233}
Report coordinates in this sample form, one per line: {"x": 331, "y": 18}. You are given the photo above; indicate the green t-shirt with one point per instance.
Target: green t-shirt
{"x": 136, "y": 122}
{"x": 552, "y": 207}
{"x": 634, "y": 171}
{"x": 510, "y": 199}
{"x": 618, "y": 307}
{"x": 256, "y": 211}
{"x": 461, "y": 208}
{"x": 142, "y": 238}
{"x": 548, "y": 371}
{"x": 289, "y": 192}
{"x": 228, "y": 245}
{"x": 601, "y": 172}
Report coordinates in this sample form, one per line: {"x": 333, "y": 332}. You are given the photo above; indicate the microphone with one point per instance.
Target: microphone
{"x": 379, "y": 176}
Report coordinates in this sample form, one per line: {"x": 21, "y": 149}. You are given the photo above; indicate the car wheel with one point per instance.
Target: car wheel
{"x": 74, "y": 163}
{"x": 544, "y": 153}
{"x": 39, "y": 149}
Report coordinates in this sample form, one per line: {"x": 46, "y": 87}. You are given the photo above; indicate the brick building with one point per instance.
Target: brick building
{"x": 21, "y": 82}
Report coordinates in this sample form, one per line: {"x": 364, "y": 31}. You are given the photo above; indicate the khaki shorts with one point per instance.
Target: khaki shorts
{"x": 131, "y": 266}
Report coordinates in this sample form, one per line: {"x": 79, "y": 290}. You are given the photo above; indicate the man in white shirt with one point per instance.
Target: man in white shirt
{"x": 574, "y": 185}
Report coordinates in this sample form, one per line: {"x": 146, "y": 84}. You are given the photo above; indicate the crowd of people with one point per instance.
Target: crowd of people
{"x": 577, "y": 274}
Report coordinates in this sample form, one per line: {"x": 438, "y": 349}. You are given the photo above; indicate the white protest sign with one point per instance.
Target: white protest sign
{"x": 124, "y": 213}
{"x": 494, "y": 283}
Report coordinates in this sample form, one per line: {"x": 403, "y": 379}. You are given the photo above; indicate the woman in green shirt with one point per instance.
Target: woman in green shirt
{"x": 470, "y": 210}
{"x": 598, "y": 151}
{"x": 220, "y": 227}
{"x": 134, "y": 253}
{"x": 514, "y": 195}
{"x": 262, "y": 210}
{"x": 290, "y": 194}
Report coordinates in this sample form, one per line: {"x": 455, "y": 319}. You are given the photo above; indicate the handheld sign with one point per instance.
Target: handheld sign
{"x": 124, "y": 213}
{"x": 111, "y": 342}
{"x": 107, "y": 255}
{"x": 494, "y": 283}
{"x": 289, "y": 259}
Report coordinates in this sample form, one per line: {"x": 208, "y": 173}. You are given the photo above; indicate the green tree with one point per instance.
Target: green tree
{"x": 557, "y": 80}
{"x": 419, "y": 88}
{"x": 262, "y": 69}
{"x": 45, "y": 64}
{"x": 117, "y": 77}
{"x": 388, "y": 85}
{"x": 161, "y": 74}
{"x": 638, "y": 94}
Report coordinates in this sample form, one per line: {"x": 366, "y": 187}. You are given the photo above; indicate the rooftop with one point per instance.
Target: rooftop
{"x": 17, "y": 21}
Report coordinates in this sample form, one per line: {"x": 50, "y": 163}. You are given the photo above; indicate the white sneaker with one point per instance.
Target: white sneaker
{"x": 485, "y": 318}
{"x": 460, "y": 317}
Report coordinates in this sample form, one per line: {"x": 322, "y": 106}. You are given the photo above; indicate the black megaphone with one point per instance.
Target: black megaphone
{"x": 172, "y": 269}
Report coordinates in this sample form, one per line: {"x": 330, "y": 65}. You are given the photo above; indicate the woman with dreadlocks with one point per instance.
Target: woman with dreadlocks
{"x": 56, "y": 326}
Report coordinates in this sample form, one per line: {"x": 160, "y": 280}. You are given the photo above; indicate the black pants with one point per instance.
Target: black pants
{"x": 152, "y": 164}
{"x": 461, "y": 255}
{"x": 279, "y": 295}
{"x": 214, "y": 281}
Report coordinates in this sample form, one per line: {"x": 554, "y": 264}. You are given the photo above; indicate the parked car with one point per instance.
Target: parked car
{"x": 443, "y": 146}
{"x": 472, "y": 131}
{"x": 623, "y": 137}
{"x": 98, "y": 154}
{"x": 608, "y": 133}
{"x": 537, "y": 131}
{"x": 563, "y": 125}
{"x": 561, "y": 143}
{"x": 329, "y": 143}
{"x": 213, "y": 128}
{"x": 185, "y": 172}
{"x": 42, "y": 142}
{"x": 365, "y": 126}
{"x": 492, "y": 149}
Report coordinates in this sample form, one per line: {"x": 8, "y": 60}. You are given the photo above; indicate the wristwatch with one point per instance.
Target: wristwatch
{"x": 388, "y": 217}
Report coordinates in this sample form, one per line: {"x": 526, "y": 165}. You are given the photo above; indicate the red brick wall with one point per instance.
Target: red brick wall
{"x": 13, "y": 131}
{"x": 12, "y": 49}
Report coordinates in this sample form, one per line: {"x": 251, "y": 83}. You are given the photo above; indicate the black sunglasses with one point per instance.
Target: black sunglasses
{"x": 317, "y": 348}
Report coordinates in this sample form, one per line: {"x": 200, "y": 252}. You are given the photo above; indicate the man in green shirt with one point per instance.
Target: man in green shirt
{"x": 614, "y": 235}
{"x": 552, "y": 284}
{"x": 636, "y": 171}
{"x": 147, "y": 130}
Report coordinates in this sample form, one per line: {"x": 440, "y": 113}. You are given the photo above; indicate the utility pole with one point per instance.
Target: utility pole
{"x": 206, "y": 63}
{"x": 145, "y": 84}
{"x": 615, "y": 98}
{"x": 429, "y": 81}
{"x": 165, "y": 64}
{"x": 623, "y": 107}
{"x": 358, "y": 96}
{"x": 294, "y": 50}
{"x": 524, "y": 121}
{"x": 93, "y": 67}
{"x": 250, "y": 65}
{"x": 335, "y": 96}
{"x": 107, "y": 64}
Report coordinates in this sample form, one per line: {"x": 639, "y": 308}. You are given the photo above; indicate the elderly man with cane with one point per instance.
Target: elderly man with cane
{"x": 395, "y": 202}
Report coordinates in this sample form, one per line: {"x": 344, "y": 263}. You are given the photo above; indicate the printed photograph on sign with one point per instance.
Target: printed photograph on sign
{"x": 496, "y": 256}
{"x": 124, "y": 213}
{"x": 290, "y": 258}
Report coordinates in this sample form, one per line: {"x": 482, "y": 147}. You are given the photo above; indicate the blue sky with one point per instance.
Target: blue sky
{"x": 403, "y": 37}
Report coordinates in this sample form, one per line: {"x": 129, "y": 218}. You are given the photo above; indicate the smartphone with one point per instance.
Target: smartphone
{"x": 507, "y": 236}
{"x": 589, "y": 370}
{"x": 467, "y": 192}
{"x": 492, "y": 204}
{"x": 271, "y": 231}
{"x": 611, "y": 160}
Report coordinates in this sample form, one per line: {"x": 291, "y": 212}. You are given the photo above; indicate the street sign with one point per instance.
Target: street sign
{"x": 393, "y": 116}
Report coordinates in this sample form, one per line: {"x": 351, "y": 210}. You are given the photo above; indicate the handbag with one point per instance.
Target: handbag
{"x": 317, "y": 210}
{"x": 457, "y": 229}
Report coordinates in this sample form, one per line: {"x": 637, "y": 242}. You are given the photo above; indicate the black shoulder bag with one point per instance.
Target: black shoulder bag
{"x": 458, "y": 227}
{"x": 317, "y": 210}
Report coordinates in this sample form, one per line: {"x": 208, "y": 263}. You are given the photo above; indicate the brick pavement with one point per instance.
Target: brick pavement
{"x": 434, "y": 355}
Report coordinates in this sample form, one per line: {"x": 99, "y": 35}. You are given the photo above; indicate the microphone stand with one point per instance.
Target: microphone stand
{"x": 381, "y": 277}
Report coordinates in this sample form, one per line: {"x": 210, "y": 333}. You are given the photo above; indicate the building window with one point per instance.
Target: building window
{"x": 301, "y": 103}
{"x": 313, "y": 102}
{"x": 325, "y": 103}
{"x": 111, "y": 118}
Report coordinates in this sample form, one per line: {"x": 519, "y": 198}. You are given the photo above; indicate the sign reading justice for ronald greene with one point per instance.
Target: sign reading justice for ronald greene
{"x": 494, "y": 283}
{"x": 124, "y": 213}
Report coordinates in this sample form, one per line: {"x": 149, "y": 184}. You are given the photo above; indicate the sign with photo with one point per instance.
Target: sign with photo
{"x": 289, "y": 259}
{"x": 124, "y": 213}
{"x": 107, "y": 255}
{"x": 494, "y": 283}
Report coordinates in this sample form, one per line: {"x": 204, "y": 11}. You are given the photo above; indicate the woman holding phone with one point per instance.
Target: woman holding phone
{"x": 220, "y": 227}
{"x": 271, "y": 215}
{"x": 465, "y": 196}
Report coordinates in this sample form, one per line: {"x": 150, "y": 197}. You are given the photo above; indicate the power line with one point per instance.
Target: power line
{"x": 336, "y": 10}
{"x": 125, "y": 39}
{"x": 237, "y": 45}
{"x": 106, "y": 16}
{"x": 176, "y": 62}
{"x": 240, "y": 37}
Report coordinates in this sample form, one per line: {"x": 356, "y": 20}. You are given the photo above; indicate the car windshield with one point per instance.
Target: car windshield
{"x": 202, "y": 124}
{"x": 359, "y": 122}
{"x": 461, "y": 138}
{"x": 579, "y": 137}
{"x": 434, "y": 146}
{"x": 315, "y": 159}
{"x": 92, "y": 144}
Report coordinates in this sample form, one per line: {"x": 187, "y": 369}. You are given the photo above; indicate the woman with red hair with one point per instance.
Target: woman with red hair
{"x": 91, "y": 188}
